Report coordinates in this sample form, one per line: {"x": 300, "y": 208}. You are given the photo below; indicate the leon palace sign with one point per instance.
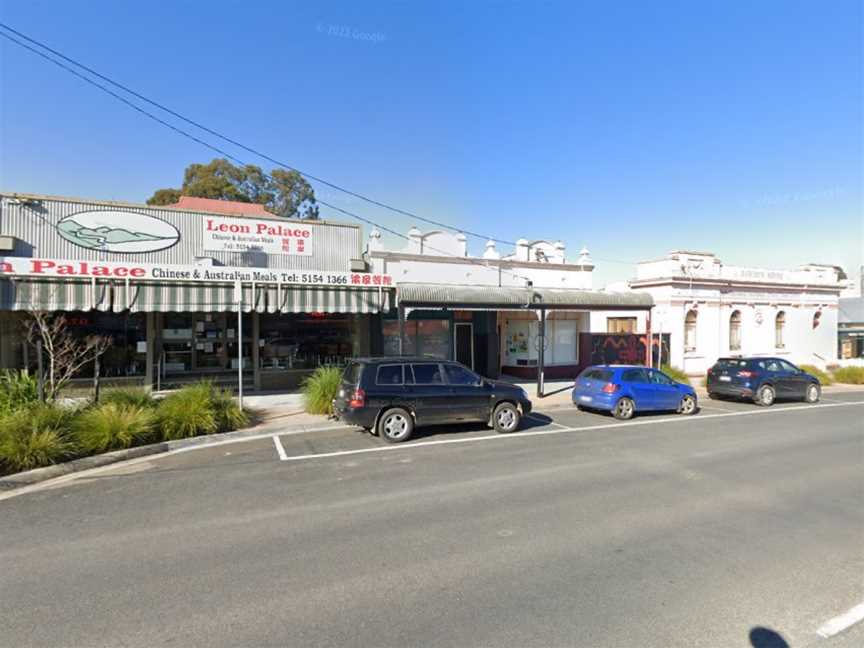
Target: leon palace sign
{"x": 69, "y": 269}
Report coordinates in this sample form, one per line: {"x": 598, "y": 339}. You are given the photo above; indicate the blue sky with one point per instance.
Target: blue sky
{"x": 633, "y": 129}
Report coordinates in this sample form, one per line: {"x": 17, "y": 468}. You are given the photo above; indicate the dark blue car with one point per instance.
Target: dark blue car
{"x": 762, "y": 380}
{"x": 627, "y": 389}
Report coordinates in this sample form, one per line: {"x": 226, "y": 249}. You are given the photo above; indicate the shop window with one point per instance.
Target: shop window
{"x": 690, "y": 331}
{"x": 423, "y": 337}
{"x": 735, "y": 331}
{"x": 127, "y": 354}
{"x": 305, "y": 341}
{"x": 621, "y": 325}
{"x": 779, "y": 325}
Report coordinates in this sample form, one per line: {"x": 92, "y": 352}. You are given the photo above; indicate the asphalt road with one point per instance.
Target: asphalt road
{"x": 740, "y": 526}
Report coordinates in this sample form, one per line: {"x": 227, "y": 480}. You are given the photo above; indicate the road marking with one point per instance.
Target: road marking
{"x": 279, "y": 449}
{"x": 542, "y": 422}
{"x": 563, "y": 430}
{"x": 840, "y": 623}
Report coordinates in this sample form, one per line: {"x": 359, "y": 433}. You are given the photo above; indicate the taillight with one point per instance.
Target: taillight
{"x": 610, "y": 388}
{"x": 358, "y": 398}
{"x": 746, "y": 374}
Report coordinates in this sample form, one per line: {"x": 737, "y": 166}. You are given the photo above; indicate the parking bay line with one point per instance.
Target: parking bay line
{"x": 280, "y": 450}
{"x": 563, "y": 430}
{"x": 842, "y": 622}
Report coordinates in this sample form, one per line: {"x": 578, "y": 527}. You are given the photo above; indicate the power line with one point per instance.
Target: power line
{"x": 241, "y": 145}
{"x": 231, "y": 157}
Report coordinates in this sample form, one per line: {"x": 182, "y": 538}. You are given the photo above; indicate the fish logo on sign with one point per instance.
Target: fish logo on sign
{"x": 118, "y": 231}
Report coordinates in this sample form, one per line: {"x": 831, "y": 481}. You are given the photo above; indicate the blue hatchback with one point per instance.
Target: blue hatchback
{"x": 627, "y": 389}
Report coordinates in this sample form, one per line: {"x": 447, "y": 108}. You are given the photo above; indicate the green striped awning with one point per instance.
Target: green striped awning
{"x": 294, "y": 299}
{"x": 59, "y": 295}
{"x": 185, "y": 298}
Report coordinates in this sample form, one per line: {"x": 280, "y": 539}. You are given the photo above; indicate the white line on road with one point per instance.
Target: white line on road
{"x": 840, "y": 623}
{"x": 563, "y": 430}
{"x": 279, "y": 449}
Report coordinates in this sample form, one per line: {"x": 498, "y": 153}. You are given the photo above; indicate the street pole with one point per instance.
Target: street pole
{"x": 541, "y": 357}
{"x": 238, "y": 290}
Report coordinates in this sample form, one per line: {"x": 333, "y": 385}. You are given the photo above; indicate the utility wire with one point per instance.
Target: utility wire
{"x": 241, "y": 145}
{"x": 231, "y": 157}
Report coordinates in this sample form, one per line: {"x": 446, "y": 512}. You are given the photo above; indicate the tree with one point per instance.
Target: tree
{"x": 64, "y": 353}
{"x": 284, "y": 193}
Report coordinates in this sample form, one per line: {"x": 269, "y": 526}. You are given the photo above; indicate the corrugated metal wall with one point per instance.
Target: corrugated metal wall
{"x": 333, "y": 244}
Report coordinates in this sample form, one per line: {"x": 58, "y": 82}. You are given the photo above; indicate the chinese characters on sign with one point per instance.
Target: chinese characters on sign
{"x": 225, "y": 234}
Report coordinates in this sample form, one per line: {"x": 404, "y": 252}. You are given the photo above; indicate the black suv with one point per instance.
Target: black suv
{"x": 393, "y": 395}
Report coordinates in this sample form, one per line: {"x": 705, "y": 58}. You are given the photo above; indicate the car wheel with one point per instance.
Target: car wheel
{"x": 505, "y": 418}
{"x": 765, "y": 396}
{"x": 813, "y": 394}
{"x": 687, "y": 406}
{"x": 624, "y": 409}
{"x": 395, "y": 425}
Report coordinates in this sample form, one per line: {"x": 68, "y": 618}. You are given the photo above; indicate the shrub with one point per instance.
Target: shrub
{"x": 228, "y": 414}
{"x": 850, "y": 375}
{"x": 112, "y": 426}
{"x": 129, "y": 396}
{"x": 187, "y": 412}
{"x": 675, "y": 374}
{"x": 18, "y": 389}
{"x": 823, "y": 376}
{"x": 320, "y": 389}
{"x": 35, "y": 436}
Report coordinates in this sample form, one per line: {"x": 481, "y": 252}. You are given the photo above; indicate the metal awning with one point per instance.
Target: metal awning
{"x": 68, "y": 295}
{"x": 186, "y": 297}
{"x": 513, "y": 298}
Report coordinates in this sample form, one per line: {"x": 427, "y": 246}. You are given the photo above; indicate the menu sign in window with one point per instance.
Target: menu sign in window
{"x": 226, "y": 234}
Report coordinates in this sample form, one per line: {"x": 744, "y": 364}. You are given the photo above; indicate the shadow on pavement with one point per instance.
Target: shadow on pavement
{"x": 765, "y": 638}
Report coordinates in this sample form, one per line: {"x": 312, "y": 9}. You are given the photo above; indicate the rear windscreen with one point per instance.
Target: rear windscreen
{"x": 598, "y": 374}
{"x": 731, "y": 363}
{"x": 352, "y": 373}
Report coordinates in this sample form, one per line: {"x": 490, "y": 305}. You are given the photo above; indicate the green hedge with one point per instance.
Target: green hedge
{"x": 33, "y": 434}
{"x": 849, "y": 375}
{"x": 676, "y": 374}
{"x": 320, "y": 389}
{"x": 823, "y": 376}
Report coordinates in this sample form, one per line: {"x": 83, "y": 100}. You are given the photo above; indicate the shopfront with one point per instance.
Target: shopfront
{"x": 185, "y": 295}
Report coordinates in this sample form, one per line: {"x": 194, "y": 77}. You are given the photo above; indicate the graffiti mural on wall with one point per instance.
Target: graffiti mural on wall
{"x": 625, "y": 348}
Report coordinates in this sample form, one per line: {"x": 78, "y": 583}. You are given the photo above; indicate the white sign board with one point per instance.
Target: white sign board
{"x": 69, "y": 269}
{"x": 226, "y": 234}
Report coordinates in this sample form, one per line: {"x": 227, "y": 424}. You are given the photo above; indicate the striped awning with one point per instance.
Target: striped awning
{"x": 67, "y": 295}
{"x": 185, "y": 298}
{"x": 293, "y": 299}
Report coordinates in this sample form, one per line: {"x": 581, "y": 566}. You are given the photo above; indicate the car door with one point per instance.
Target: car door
{"x": 388, "y": 387}
{"x": 777, "y": 376}
{"x": 429, "y": 393}
{"x": 637, "y": 382}
{"x": 470, "y": 399}
{"x": 666, "y": 392}
{"x": 795, "y": 379}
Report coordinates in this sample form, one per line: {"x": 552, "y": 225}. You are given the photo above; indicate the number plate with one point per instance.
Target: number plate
{"x": 585, "y": 399}
{"x": 725, "y": 379}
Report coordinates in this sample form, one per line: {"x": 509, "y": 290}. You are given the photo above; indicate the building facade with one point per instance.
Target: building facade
{"x": 498, "y": 313}
{"x": 186, "y": 294}
{"x": 710, "y": 309}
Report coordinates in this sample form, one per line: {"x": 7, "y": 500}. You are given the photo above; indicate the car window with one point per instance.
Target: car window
{"x": 457, "y": 375}
{"x": 787, "y": 366}
{"x": 389, "y": 375}
{"x": 428, "y": 374}
{"x": 351, "y": 375}
{"x": 659, "y": 378}
{"x": 634, "y": 375}
{"x": 773, "y": 365}
{"x": 730, "y": 364}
